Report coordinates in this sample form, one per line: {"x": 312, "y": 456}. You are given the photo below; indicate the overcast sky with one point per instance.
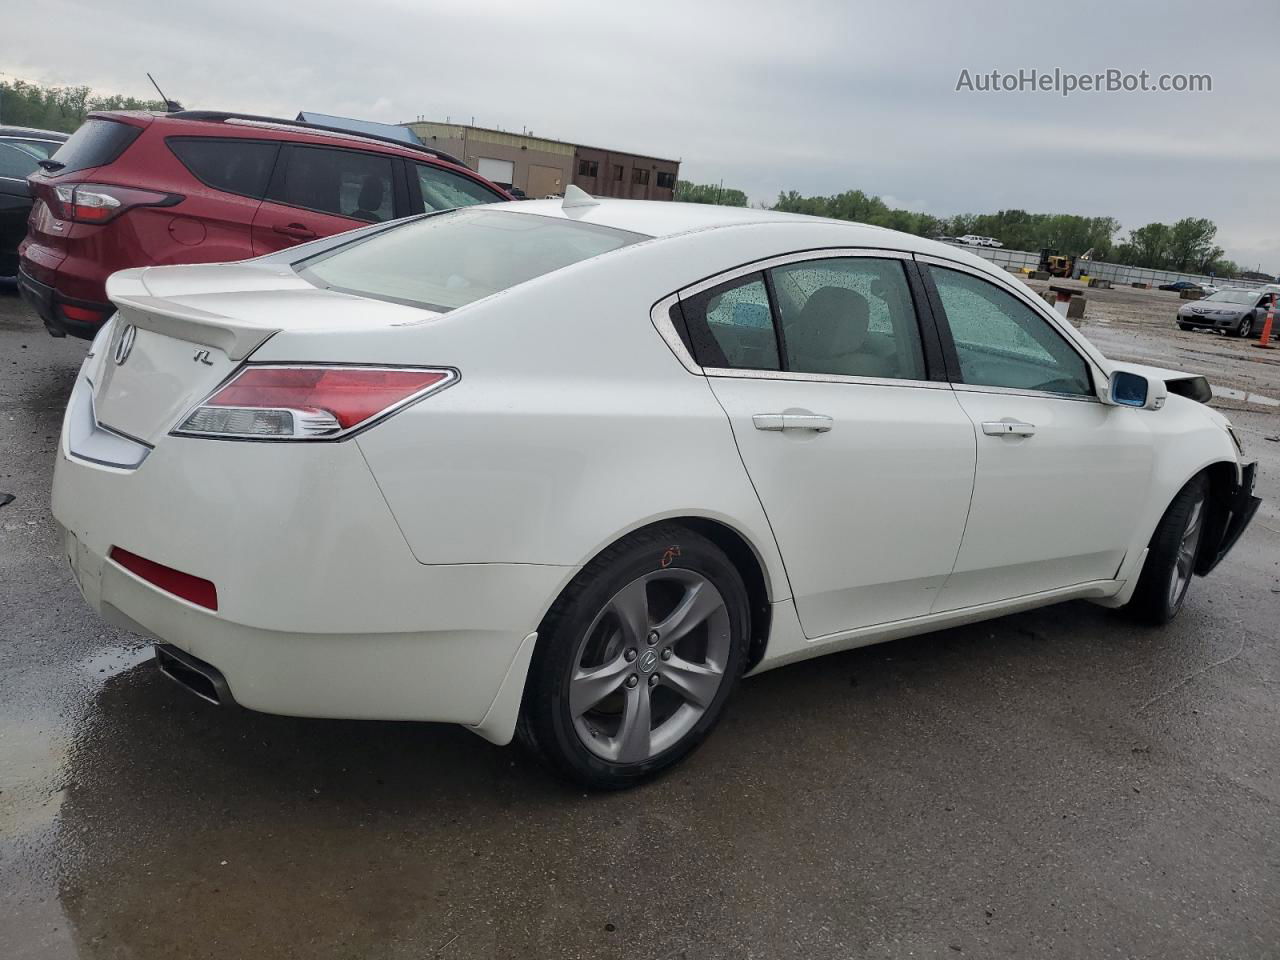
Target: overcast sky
{"x": 818, "y": 97}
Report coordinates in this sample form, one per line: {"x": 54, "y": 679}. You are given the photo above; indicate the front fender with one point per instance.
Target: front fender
{"x": 1187, "y": 439}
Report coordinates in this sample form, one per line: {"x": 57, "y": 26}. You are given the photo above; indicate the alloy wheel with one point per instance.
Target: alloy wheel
{"x": 1188, "y": 546}
{"x": 650, "y": 665}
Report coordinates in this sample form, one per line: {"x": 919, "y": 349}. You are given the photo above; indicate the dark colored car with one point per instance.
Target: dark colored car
{"x": 21, "y": 150}
{"x": 1238, "y": 312}
{"x": 133, "y": 189}
{"x": 1179, "y": 285}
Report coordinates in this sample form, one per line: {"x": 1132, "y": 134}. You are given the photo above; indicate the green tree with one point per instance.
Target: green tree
{"x": 1191, "y": 244}
{"x": 25, "y": 104}
{"x": 1147, "y": 246}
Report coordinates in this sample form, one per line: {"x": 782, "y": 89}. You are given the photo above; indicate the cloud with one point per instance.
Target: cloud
{"x": 807, "y": 95}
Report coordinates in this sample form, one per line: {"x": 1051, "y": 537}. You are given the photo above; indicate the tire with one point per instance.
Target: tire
{"x": 1245, "y": 329}
{"x": 1172, "y": 555}
{"x": 1184, "y": 326}
{"x": 610, "y": 700}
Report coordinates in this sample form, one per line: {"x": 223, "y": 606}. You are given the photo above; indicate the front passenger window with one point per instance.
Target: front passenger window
{"x": 445, "y": 190}
{"x": 1002, "y": 342}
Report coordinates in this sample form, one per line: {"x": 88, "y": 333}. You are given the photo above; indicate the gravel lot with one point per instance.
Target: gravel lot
{"x": 1058, "y": 783}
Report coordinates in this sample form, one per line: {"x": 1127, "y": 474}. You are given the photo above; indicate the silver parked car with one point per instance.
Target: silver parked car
{"x": 1239, "y": 312}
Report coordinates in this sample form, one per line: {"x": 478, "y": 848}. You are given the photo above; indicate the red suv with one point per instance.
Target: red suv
{"x": 137, "y": 189}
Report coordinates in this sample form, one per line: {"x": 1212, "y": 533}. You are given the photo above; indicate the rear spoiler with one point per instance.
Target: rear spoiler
{"x": 236, "y": 338}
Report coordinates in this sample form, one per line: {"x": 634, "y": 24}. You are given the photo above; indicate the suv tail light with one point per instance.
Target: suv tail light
{"x": 100, "y": 202}
{"x": 309, "y": 402}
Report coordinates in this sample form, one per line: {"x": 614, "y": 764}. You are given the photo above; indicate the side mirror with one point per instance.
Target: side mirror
{"x": 1128, "y": 388}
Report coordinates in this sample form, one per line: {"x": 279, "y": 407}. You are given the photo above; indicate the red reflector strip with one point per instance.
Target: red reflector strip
{"x": 82, "y": 314}
{"x": 195, "y": 590}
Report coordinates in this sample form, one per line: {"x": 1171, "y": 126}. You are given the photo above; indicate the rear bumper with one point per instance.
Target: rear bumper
{"x": 48, "y": 306}
{"x": 322, "y": 610}
{"x": 1236, "y": 511}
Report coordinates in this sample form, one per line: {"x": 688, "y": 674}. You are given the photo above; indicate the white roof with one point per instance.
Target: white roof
{"x": 662, "y": 218}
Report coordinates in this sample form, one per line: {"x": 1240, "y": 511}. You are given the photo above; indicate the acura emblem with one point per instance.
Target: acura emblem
{"x": 125, "y": 344}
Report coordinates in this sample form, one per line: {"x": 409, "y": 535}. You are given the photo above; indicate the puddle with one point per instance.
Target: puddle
{"x": 1244, "y": 397}
{"x": 115, "y": 660}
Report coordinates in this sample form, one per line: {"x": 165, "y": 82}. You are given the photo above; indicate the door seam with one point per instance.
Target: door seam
{"x": 768, "y": 521}
{"x": 973, "y": 489}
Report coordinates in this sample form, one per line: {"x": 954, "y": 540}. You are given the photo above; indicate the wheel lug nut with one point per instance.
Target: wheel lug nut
{"x": 653, "y": 679}
{"x": 632, "y": 680}
{"x": 653, "y": 637}
{"x": 666, "y": 654}
{"x": 630, "y": 655}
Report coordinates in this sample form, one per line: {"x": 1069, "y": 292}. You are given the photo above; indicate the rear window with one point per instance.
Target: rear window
{"x": 236, "y": 166}
{"x": 451, "y": 259}
{"x": 96, "y": 144}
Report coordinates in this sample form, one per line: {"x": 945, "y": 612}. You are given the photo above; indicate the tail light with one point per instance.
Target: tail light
{"x": 99, "y": 202}
{"x": 309, "y": 402}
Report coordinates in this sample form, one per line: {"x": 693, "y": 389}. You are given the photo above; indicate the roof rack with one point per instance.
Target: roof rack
{"x": 219, "y": 116}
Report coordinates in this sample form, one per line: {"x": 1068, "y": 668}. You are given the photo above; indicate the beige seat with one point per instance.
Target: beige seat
{"x": 831, "y": 336}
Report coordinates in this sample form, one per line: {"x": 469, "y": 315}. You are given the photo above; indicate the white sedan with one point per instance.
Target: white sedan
{"x": 570, "y": 469}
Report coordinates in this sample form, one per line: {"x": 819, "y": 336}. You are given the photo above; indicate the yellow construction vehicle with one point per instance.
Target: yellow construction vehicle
{"x": 1060, "y": 265}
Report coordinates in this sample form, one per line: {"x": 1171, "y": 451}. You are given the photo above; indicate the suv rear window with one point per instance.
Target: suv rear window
{"x": 96, "y": 144}
{"x": 236, "y": 166}
{"x": 451, "y": 259}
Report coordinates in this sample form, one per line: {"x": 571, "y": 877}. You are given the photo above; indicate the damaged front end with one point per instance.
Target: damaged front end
{"x": 1232, "y": 509}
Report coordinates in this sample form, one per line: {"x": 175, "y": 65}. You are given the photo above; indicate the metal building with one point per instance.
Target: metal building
{"x": 541, "y": 167}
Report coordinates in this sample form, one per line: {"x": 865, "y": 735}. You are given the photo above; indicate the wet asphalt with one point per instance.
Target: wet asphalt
{"x": 1058, "y": 783}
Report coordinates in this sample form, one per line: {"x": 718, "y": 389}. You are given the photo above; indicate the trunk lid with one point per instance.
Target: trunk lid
{"x": 181, "y": 331}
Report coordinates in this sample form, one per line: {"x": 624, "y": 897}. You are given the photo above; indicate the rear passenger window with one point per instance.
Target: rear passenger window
{"x": 341, "y": 182}
{"x": 732, "y": 326}
{"x": 444, "y": 190}
{"x": 236, "y": 166}
{"x": 850, "y": 317}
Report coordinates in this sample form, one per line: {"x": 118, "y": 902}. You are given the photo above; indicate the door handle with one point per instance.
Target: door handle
{"x": 297, "y": 231}
{"x": 817, "y": 422}
{"x": 1008, "y": 428}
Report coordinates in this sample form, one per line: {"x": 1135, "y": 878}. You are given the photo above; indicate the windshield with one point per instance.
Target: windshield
{"x": 1231, "y": 296}
{"x": 451, "y": 259}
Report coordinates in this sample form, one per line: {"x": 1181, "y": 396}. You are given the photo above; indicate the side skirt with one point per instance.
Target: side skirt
{"x": 788, "y": 644}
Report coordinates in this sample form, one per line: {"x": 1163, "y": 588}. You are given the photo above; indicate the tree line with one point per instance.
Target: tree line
{"x": 1187, "y": 246}
{"x": 25, "y": 104}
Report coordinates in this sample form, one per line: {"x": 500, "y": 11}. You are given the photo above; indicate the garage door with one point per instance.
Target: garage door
{"x": 499, "y": 171}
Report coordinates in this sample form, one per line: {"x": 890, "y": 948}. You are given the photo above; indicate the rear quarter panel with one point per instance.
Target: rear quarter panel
{"x": 572, "y": 424}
